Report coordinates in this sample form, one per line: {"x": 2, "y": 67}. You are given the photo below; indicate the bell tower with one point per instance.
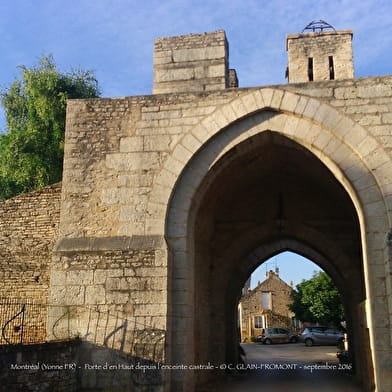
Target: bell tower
{"x": 319, "y": 53}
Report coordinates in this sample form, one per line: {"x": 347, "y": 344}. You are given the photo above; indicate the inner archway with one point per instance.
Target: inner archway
{"x": 268, "y": 296}
{"x": 266, "y": 195}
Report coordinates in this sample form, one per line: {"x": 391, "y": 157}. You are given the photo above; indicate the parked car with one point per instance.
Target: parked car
{"x": 321, "y": 336}
{"x": 277, "y": 335}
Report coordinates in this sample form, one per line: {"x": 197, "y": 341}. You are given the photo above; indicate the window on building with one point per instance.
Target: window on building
{"x": 310, "y": 69}
{"x": 331, "y": 68}
{"x": 258, "y": 321}
{"x": 266, "y": 300}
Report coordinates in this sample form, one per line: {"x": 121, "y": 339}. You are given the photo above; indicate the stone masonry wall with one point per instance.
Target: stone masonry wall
{"x": 368, "y": 101}
{"x": 112, "y": 292}
{"x": 194, "y": 62}
{"x": 39, "y": 368}
{"x": 319, "y": 47}
{"x": 28, "y": 230}
{"x": 75, "y": 366}
{"x": 115, "y": 191}
{"x": 116, "y": 147}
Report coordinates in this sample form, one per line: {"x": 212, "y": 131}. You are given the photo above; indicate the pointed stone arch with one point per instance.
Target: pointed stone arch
{"x": 354, "y": 157}
{"x": 318, "y": 126}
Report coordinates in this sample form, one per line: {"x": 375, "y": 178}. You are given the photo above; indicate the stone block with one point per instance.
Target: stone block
{"x": 57, "y": 278}
{"x": 136, "y": 161}
{"x": 117, "y": 297}
{"x": 301, "y": 105}
{"x": 110, "y": 195}
{"x": 181, "y": 153}
{"x": 95, "y": 295}
{"x": 174, "y": 165}
{"x": 238, "y": 108}
{"x": 163, "y": 57}
{"x": 199, "y": 54}
{"x": 174, "y": 74}
{"x": 216, "y": 70}
{"x": 115, "y": 272}
{"x": 157, "y": 143}
{"x": 374, "y": 90}
{"x": 131, "y": 144}
{"x": 150, "y": 310}
{"x": 129, "y": 272}
{"x": 277, "y": 98}
{"x": 119, "y": 283}
{"x": 311, "y": 108}
{"x": 57, "y": 295}
{"x": 267, "y": 94}
{"x": 289, "y": 102}
{"x": 74, "y": 295}
{"x": 100, "y": 276}
{"x": 346, "y": 93}
{"x": 80, "y": 277}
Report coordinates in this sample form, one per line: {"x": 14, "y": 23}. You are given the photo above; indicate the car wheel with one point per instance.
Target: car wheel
{"x": 293, "y": 339}
{"x": 267, "y": 341}
{"x": 309, "y": 342}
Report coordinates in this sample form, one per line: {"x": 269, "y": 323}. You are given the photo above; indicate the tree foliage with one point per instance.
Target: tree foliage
{"x": 31, "y": 150}
{"x": 317, "y": 300}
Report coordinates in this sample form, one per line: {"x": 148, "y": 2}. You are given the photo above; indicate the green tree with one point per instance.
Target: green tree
{"x": 31, "y": 149}
{"x": 317, "y": 300}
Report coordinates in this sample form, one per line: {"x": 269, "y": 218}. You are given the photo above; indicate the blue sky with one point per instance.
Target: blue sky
{"x": 115, "y": 38}
{"x": 292, "y": 267}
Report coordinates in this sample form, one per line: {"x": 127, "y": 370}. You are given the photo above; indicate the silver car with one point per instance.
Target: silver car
{"x": 321, "y": 336}
{"x": 277, "y": 335}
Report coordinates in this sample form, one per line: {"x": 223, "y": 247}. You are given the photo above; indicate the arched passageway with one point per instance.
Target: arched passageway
{"x": 269, "y": 195}
{"x": 259, "y": 197}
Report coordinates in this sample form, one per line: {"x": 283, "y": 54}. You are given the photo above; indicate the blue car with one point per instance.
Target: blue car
{"x": 321, "y": 336}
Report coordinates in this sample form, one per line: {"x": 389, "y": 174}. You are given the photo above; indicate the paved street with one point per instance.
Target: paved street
{"x": 290, "y": 368}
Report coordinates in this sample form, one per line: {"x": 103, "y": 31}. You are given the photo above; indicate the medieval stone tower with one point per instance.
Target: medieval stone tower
{"x": 320, "y": 55}
{"x": 169, "y": 201}
{"x": 195, "y": 62}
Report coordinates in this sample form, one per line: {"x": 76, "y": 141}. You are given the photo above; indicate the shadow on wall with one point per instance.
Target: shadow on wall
{"x": 115, "y": 353}
{"x": 75, "y": 366}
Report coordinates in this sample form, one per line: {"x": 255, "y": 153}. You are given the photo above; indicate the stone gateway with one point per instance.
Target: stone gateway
{"x": 169, "y": 201}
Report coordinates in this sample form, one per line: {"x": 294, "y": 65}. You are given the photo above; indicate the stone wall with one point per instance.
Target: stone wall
{"x": 368, "y": 101}
{"x": 28, "y": 230}
{"x": 194, "y": 62}
{"x": 325, "y": 55}
{"x": 75, "y": 366}
{"x": 116, "y": 148}
{"x": 96, "y": 284}
{"x": 114, "y": 151}
{"x": 39, "y": 367}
